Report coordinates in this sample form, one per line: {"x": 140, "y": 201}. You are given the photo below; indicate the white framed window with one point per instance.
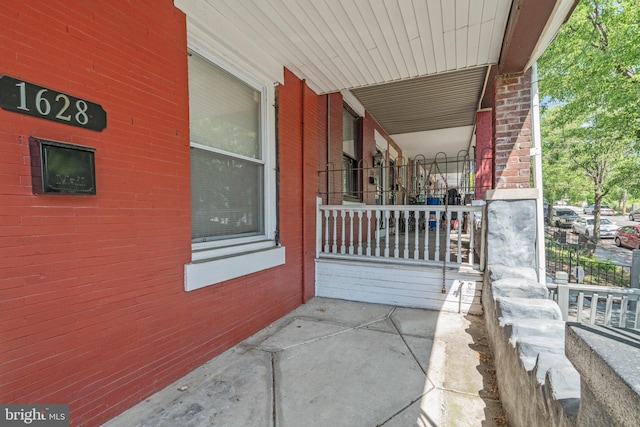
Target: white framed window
{"x": 232, "y": 150}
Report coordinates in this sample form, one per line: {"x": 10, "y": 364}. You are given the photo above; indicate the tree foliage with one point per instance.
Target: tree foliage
{"x": 590, "y": 82}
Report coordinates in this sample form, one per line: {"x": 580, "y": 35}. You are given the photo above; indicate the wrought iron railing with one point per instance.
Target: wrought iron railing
{"x": 577, "y": 260}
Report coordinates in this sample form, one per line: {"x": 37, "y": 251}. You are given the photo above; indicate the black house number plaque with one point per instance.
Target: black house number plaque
{"x": 27, "y": 98}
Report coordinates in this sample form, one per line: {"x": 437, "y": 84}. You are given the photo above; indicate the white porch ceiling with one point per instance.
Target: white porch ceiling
{"x": 346, "y": 44}
{"x": 449, "y": 141}
{"x": 373, "y": 47}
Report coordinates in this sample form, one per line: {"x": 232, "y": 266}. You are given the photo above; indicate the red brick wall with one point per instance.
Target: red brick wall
{"x": 512, "y": 130}
{"x": 298, "y": 122}
{"x": 322, "y": 147}
{"x": 92, "y": 308}
{"x": 369, "y": 148}
{"x": 484, "y": 153}
{"x": 369, "y": 124}
{"x": 336, "y": 106}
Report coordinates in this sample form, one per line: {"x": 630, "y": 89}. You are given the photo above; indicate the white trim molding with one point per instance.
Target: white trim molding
{"x": 205, "y": 273}
{"x": 353, "y": 102}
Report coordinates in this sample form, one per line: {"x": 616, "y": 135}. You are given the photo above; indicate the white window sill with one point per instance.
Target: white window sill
{"x": 206, "y": 272}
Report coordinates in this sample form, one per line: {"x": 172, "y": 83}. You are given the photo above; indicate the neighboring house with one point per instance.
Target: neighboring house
{"x": 185, "y": 219}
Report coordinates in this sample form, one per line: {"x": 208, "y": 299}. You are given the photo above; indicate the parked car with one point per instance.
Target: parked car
{"x": 634, "y": 215}
{"x": 585, "y": 226}
{"x": 628, "y": 236}
{"x": 604, "y": 210}
{"x": 563, "y": 217}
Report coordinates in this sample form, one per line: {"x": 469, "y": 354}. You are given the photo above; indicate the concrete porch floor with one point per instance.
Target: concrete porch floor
{"x": 339, "y": 363}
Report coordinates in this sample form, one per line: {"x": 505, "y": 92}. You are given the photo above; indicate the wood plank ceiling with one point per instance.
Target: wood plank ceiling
{"x": 346, "y": 44}
{"x": 409, "y": 62}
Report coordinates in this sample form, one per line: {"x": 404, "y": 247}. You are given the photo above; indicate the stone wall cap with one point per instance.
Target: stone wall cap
{"x": 618, "y": 348}
{"x": 518, "y": 287}
{"x": 501, "y": 271}
{"x": 607, "y": 360}
{"x": 509, "y": 309}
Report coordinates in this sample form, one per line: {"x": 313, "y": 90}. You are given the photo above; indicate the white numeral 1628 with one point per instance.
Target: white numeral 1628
{"x": 44, "y": 106}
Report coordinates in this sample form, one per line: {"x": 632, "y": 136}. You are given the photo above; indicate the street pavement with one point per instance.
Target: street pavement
{"x": 606, "y": 248}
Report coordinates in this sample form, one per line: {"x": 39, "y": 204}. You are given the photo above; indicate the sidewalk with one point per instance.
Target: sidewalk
{"x": 338, "y": 363}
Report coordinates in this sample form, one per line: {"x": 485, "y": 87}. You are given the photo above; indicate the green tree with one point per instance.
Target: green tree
{"x": 590, "y": 82}
{"x": 558, "y": 170}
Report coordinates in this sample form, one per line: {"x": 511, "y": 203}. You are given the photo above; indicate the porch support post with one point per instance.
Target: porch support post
{"x": 512, "y": 130}
{"x": 318, "y": 227}
{"x": 484, "y": 153}
{"x": 536, "y": 161}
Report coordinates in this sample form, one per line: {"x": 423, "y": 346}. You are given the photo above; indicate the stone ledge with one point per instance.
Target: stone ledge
{"x": 499, "y": 271}
{"x": 520, "y": 328}
{"x": 510, "y": 308}
{"x": 563, "y": 381}
{"x": 530, "y": 349}
{"x": 527, "y": 335}
{"x": 519, "y": 288}
{"x": 562, "y": 392}
{"x": 607, "y": 359}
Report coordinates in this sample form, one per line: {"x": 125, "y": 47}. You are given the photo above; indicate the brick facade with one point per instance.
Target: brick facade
{"x": 93, "y": 310}
{"x": 512, "y": 130}
{"x": 484, "y": 153}
{"x": 368, "y": 125}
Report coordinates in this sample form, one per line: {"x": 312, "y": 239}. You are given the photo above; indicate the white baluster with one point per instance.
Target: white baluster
{"x": 416, "y": 230}
{"x": 608, "y": 310}
{"x": 359, "y": 232}
{"x": 406, "y": 234}
{"x": 447, "y": 227}
{"x": 623, "y": 311}
{"x": 472, "y": 229}
{"x": 426, "y": 235}
{"x": 377, "y": 231}
{"x": 459, "y": 218}
{"x": 594, "y": 307}
{"x": 437, "y": 237}
{"x": 396, "y": 246}
{"x": 580, "y": 306}
{"x": 350, "y": 232}
{"x": 335, "y": 231}
{"x": 326, "y": 231}
{"x": 368, "y": 232}
{"x": 343, "y": 238}
{"x": 386, "y": 227}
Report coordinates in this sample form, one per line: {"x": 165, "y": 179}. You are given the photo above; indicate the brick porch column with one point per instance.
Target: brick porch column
{"x": 484, "y": 153}
{"x": 512, "y": 130}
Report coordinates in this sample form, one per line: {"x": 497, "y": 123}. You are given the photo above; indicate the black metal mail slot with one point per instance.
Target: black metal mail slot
{"x": 58, "y": 167}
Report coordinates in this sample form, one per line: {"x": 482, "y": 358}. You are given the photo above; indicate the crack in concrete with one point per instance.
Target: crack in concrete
{"x": 312, "y": 340}
{"x": 274, "y": 413}
{"x": 407, "y": 346}
{"x": 273, "y": 354}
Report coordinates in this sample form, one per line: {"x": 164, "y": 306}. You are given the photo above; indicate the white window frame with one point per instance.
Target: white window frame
{"x": 224, "y": 259}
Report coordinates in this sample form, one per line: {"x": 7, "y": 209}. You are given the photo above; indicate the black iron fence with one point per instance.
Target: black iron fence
{"x": 575, "y": 256}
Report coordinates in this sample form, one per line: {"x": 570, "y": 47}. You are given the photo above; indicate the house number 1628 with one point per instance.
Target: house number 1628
{"x": 27, "y": 98}
{"x": 44, "y": 106}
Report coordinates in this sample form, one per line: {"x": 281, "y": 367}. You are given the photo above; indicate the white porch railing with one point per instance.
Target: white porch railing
{"x": 401, "y": 233}
{"x": 603, "y": 305}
